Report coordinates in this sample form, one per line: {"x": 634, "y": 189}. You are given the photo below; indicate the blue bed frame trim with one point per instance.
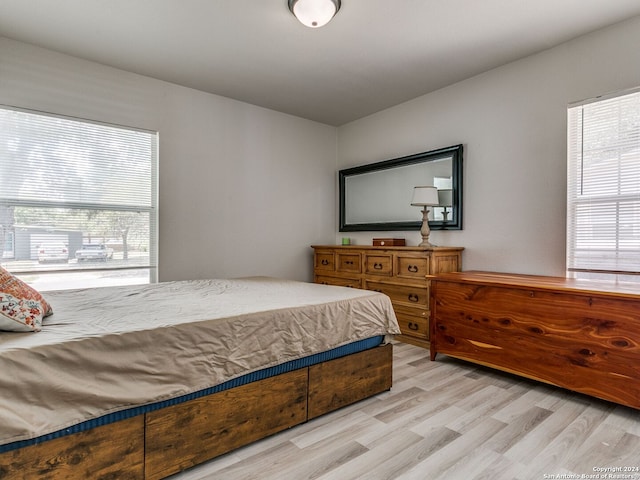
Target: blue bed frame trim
{"x": 338, "y": 352}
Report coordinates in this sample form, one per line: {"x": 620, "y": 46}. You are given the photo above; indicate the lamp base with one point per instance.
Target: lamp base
{"x": 445, "y": 215}
{"x": 425, "y": 230}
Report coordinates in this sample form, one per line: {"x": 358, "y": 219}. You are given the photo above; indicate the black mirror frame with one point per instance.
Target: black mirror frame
{"x": 455, "y": 223}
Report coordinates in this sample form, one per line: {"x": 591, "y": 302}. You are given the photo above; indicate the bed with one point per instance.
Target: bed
{"x": 145, "y": 381}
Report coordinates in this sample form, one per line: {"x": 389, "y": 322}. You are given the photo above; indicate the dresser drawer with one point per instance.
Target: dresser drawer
{"x": 339, "y": 281}
{"x": 379, "y": 265}
{"x": 402, "y": 294}
{"x": 324, "y": 261}
{"x": 413, "y": 325}
{"x": 446, "y": 263}
{"x": 410, "y": 267}
{"x": 348, "y": 262}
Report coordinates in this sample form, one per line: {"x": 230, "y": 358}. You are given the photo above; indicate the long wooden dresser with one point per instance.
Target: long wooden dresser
{"x": 580, "y": 335}
{"x": 399, "y": 272}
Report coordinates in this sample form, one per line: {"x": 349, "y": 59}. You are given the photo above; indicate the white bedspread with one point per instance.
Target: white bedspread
{"x": 108, "y": 349}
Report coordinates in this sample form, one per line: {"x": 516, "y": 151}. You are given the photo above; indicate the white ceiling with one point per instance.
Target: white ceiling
{"x": 372, "y": 55}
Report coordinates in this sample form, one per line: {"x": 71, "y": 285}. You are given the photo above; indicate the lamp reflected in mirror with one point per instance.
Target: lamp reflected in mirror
{"x": 445, "y": 200}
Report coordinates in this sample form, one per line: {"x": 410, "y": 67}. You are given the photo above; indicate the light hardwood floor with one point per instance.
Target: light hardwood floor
{"x": 450, "y": 420}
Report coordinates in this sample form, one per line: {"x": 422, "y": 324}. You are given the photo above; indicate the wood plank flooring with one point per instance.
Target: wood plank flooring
{"x": 450, "y": 420}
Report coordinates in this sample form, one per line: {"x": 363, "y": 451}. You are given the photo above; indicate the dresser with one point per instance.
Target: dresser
{"x": 581, "y": 335}
{"x": 399, "y": 272}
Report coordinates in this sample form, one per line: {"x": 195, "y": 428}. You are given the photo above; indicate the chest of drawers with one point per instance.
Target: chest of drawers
{"x": 581, "y": 335}
{"x": 399, "y": 272}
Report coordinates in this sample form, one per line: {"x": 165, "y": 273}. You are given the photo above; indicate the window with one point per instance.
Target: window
{"x": 78, "y": 201}
{"x": 603, "y": 188}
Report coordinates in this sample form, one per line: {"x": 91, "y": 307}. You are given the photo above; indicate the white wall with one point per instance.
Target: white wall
{"x": 512, "y": 122}
{"x": 243, "y": 190}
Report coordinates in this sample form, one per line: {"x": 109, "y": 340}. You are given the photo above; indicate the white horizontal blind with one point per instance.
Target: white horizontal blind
{"x": 603, "y": 188}
{"x": 72, "y": 182}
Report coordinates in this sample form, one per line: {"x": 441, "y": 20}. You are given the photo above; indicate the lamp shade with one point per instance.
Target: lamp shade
{"x": 445, "y": 197}
{"x": 425, "y": 196}
{"x": 314, "y": 13}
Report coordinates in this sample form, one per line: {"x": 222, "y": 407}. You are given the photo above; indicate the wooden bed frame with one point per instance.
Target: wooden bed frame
{"x": 157, "y": 444}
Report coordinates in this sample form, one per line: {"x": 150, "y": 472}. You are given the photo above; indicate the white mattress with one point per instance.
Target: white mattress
{"x": 108, "y": 349}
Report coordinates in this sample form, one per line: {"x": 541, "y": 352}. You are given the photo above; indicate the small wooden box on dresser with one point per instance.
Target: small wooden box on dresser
{"x": 399, "y": 272}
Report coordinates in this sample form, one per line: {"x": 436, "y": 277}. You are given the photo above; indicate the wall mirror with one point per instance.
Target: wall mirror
{"x": 378, "y": 196}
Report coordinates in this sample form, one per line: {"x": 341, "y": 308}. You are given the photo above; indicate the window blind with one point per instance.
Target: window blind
{"x": 603, "y": 186}
{"x": 68, "y": 185}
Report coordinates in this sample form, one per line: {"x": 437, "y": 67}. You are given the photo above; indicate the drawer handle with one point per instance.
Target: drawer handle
{"x": 413, "y": 326}
{"x": 349, "y": 262}
{"x": 413, "y": 297}
{"x": 377, "y": 266}
{"x": 325, "y": 262}
{"x": 377, "y": 290}
{"x": 413, "y": 268}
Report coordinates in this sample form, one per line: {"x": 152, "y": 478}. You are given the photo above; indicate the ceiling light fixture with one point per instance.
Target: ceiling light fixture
{"x": 314, "y": 13}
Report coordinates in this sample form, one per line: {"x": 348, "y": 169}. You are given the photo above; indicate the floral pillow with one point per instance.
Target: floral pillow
{"x": 21, "y": 307}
